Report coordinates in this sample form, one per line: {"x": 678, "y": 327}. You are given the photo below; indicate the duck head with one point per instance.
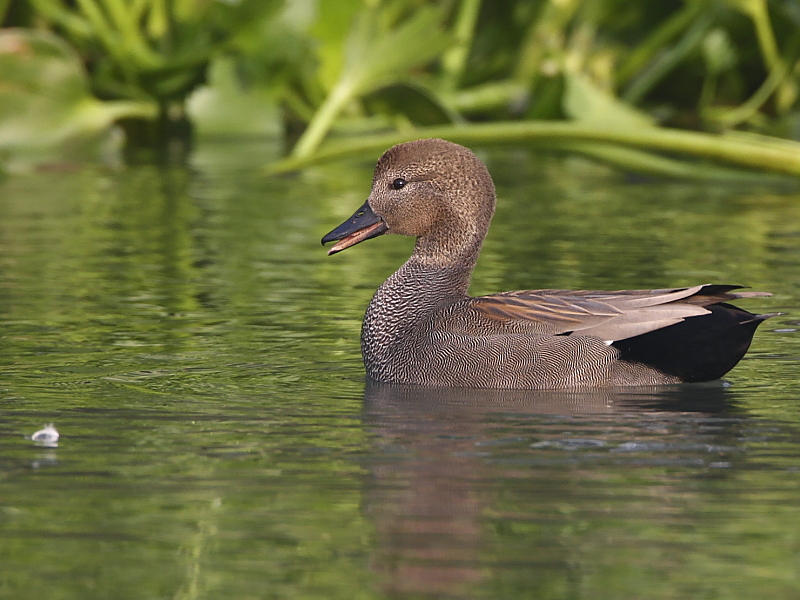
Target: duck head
{"x": 434, "y": 190}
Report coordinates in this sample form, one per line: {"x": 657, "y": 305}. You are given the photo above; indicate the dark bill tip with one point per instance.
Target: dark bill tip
{"x": 363, "y": 225}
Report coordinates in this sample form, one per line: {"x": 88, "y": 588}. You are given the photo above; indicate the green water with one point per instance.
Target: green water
{"x": 198, "y": 352}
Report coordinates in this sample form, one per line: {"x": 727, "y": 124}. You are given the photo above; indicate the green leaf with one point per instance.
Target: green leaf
{"x": 330, "y": 32}
{"x": 225, "y": 108}
{"x": 413, "y": 101}
{"x": 375, "y": 58}
{"x": 585, "y": 102}
{"x": 44, "y": 94}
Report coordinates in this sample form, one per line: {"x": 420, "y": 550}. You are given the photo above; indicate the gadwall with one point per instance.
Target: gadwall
{"x": 422, "y": 328}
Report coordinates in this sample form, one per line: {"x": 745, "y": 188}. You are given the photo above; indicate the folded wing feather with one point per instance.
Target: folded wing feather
{"x": 611, "y": 316}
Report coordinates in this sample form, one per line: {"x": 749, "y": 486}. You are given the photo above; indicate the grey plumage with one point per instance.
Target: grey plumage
{"x": 421, "y": 327}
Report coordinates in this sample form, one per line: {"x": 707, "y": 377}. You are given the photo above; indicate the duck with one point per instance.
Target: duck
{"x": 423, "y": 328}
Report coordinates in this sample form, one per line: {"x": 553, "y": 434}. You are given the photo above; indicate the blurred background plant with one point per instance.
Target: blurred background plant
{"x": 625, "y": 81}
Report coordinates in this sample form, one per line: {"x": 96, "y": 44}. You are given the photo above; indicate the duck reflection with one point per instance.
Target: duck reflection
{"x": 433, "y": 481}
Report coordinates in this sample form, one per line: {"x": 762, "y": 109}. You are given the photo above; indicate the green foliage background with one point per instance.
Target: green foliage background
{"x": 337, "y": 77}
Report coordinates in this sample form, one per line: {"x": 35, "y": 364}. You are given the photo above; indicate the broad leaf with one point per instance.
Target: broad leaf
{"x": 44, "y": 93}
{"x": 225, "y": 108}
{"x": 585, "y": 102}
{"x": 414, "y": 102}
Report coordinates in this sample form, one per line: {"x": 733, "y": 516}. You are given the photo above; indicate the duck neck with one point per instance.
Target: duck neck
{"x": 451, "y": 249}
{"x": 403, "y": 308}
{"x": 439, "y": 271}
{"x": 416, "y": 289}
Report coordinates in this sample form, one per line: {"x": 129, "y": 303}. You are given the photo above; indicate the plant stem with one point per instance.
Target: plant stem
{"x": 542, "y": 39}
{"x": 126, "y": 20}
{"x": 488, "y": 96}
{"x": 323, "y": 119}
{"x": 660, "y": 67}
{"x": 658, "y": 40}
{"x": 754, "y": 152}
{"x": 744, "y": 111}
{"x": 104, "y": 32}
{"x": 68, "y": 19}
{"x": 648, "y": 163}
{"x": 455, "y": 59}
{"x": 759, "y": 13}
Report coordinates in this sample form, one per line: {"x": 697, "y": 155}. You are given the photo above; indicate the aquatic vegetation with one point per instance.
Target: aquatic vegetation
{"x": 337, "y": 77}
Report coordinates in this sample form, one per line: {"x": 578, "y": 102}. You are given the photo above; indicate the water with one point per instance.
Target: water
{"x": 198, "y": 353}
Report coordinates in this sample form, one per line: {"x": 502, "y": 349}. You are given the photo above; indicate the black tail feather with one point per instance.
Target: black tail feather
{"x": 701, "y": 348}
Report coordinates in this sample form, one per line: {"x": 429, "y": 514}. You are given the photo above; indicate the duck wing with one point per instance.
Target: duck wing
{"x": 611, "y": 316}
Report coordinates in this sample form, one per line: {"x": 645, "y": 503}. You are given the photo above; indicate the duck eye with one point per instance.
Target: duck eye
{"x": 398, "y": 183}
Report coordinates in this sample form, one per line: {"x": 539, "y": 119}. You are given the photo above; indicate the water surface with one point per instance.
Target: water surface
{"x": 198, "y": 353}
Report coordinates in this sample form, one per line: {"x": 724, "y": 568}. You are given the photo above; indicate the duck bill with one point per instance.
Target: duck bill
{"x": 363, "y": 225}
